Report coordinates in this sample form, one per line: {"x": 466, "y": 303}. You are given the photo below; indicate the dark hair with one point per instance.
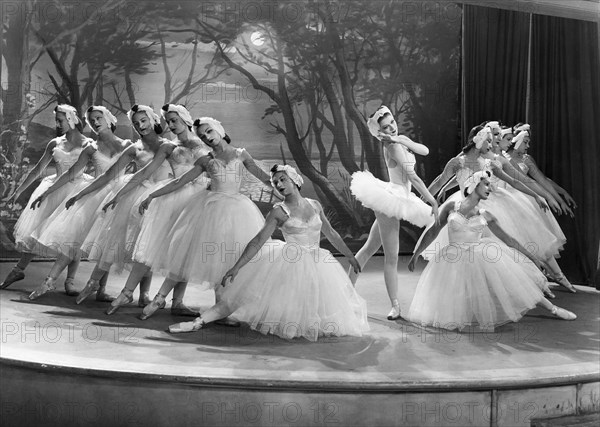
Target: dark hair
{"x": 157, "y": 126}
{"x": 470, "y": 144}
{"x": 274, "y": 171}
{"x": 511, "y": 147}
{"x": 382, "y": 117}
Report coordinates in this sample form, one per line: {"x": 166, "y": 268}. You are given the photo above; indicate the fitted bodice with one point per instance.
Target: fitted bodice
{"x": 465, "y": 172}
{"x": 395, "y": 171}
{"x": 463, "y": 230}
{"x": 227, "y": 177}
{"x": 182, "y": 158}
{"x": 102, "y": 162}
{"x": 297, "y": 231}
{"x": 65, "y": 159}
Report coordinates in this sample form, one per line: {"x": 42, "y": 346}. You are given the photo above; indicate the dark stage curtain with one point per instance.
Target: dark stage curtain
{"x": 495, "y": 56}
{"x": 565, "y": 120}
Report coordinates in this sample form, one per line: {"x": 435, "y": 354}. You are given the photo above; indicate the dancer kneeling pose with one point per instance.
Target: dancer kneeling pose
{"x": 292, "y": 288}
{"x": 477, "y": 281}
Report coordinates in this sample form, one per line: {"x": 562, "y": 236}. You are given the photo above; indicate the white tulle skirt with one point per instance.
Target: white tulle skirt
{"x": 516, "y": 215}
{"x": 157, "y": 221}
{"x": 391, "y": 199}
{"x": 209, "y": 236}
{"x": 483, "y": 285}
{"x": 292, "y": 291}
{"x": 66, "y": 229}
{"x": 112, "y": 237}
{"x": 31, "y": 219}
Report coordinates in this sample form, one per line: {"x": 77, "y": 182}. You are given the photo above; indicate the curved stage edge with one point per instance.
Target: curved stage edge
{"x": 63, "y": 364}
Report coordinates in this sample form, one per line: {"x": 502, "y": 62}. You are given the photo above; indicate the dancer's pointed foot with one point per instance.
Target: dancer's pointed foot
{"x": 125, "y": 297}
{"x": 563, "y": 281}
{"x": 91, "y": 286}
{"x": 395, "y": 311}
{"x": 151, "y": 308}
{"x": 182, "y": 327}
{"x": 47, "y": 286}
{"x": 549, "y": 294}
{"x": 15, "y": 275}
{"x": 70, "y": 287}
{"x": 180, "y": 309}
{"x": 561, "y": 313}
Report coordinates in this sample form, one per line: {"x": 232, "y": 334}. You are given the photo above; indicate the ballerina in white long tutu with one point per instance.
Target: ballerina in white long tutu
{"x": 519, "y": 216}
{"x": 65, "y": 230}
{"x": 293, "y": 288}
{"x": 477, "y": 281}
{"x": 156, "y": 223}
{"x": 111, "y": 237}
{"x": 213, "y": 229}
{"x": 65, "y": 150}
{"x": 392, "y": 201}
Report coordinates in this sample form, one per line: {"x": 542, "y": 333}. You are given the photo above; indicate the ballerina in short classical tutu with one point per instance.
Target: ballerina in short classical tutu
{"x": 392, "y": 201}
{"x": 516, "y": 212}
{"x": 293, "y": 288}
{"x": 65, "y": 150}
{"x": 476, "y": 281}
{"x": 179, "y": 156}
{"x": 111, "y": 238}
{"x": 67, "y": 228}
{"x": 213, "y": 228}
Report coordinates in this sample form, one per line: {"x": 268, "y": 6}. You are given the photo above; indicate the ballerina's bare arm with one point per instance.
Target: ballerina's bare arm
{"x": 448, "y": 173}
{"x": 510, "y": 241}
{"x": 515, "y": 172}
{"x": 253, "y": 168}
{"x": 413, "y": 146}
{"x": 164, "y": 151}
{"x": 549, "y": 185}
{"x": 124, "y": 159}
{"x": 200, "y": 166}
{"x": 37, "y": 170}
{"x": 274, "y": 219}
{"x": 432, "y": 232}
{"x": 518, "y": 185}
{"x": 335, "y": 238}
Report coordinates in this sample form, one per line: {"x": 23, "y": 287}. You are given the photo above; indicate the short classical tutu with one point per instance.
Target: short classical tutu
{"x": 390, "y": 199}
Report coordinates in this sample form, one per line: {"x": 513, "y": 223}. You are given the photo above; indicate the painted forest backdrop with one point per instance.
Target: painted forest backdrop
{"x": 290, "y": 81}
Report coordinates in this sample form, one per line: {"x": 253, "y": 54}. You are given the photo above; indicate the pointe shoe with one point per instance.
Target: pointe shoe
{"x": 180, "y": 309}
{"x": 102, "y": 296}
{"x": 561, "y": 313}
{"x": 562, "y": 281}
{"x": 91, "y": 286}
{"x": 549, "y": 294}
{"x": 151, "y": 308}
{"x": 70, "y": 288}
{"x": 182, "y": 327}
{"x": 46, "y": 286}
{"x": 395, "y": 311}
{"x": 15, "y": 275}
{"x": 125, "y": 297}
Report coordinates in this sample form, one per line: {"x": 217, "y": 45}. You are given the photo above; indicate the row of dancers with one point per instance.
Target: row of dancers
{"x": 182, "y": 214}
